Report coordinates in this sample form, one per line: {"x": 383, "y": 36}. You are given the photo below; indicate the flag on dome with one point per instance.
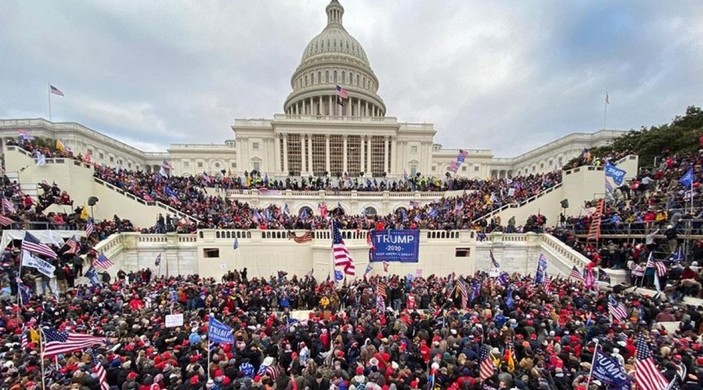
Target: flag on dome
{"x": 342, "y": 93}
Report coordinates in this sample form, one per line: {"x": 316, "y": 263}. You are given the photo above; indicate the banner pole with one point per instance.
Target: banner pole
{"x": 593, "y": 362}
{"x": 42, "y": 341}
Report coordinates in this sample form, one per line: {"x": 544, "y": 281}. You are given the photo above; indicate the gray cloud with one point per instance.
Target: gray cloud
{"x": 501, "y": 75}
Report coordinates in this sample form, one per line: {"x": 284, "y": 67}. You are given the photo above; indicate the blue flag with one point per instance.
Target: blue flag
{"x": 509, "y": 301}
{"x": 541, "y": 269}
{"x": 24, "y": 293}
{"x": 338, "y": 276}
{"x": 608, "y": 370}
{"x": 617, "y": 174}
{"x": 503, "y": 279}
{"x": 219, "y": 332}
{"x": 92, "y": 276}
{"x": 687, "y": 179}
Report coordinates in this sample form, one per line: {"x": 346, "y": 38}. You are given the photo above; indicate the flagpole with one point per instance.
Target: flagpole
{"x": 48, "y": 90}
{"x": 208, "y": 354}
{"x": 42, "y": 349}
{"x": 593, "y": 361}
{"x": 605, "y": 112}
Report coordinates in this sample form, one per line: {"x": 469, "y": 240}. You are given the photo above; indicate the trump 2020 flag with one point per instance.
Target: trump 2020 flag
{"x": 219, "y": 332}
{"x": 608, "y": 370}
{"x": 541, "y": 269}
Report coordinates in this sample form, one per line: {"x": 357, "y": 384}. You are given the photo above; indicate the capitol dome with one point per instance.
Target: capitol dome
{"x": 334, "y": 59}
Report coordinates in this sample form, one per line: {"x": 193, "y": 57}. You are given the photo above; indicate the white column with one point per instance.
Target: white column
{"x": 394, "y": 160}
{"x": 385, "y": 154}
{"x": 329, "y": 105}
{"x": 362, "y": 160}
{"x": 327, "y": 153}
{"x": 366, "y": 108}
{"x": 368, "y": 155}
{"x": 358, "y": 107}
{"x": 344, "y": 155}
{"x": 277, "y": 153}
{"x": 285, "y": 154}
{"x": 310, "y": 154}
{"x": 302, "y": 154}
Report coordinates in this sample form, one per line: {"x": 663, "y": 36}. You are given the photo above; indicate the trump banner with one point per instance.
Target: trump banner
{"x": 395, "y": 245}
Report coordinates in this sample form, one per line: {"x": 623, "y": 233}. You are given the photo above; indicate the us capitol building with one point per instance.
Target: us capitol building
{"x": 320, "y": 132}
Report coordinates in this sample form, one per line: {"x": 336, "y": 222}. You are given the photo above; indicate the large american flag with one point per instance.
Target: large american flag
{"x": 647, "y": 375}
{"x": 341, "y": 92}
{"x": 8, "y": 206}
{"x": 6, "y": 221}
{"x": 576, "y": 274}
{"x": 487, "y": 369}
{"x": 59, "y": 343}
{"x": 72, "y": 245}
{"x": 464, "y": 293}
{"x": 32, "y": 244}
{"x": 103, "y": 262}
{"x": 616, "y": 309}
{"x": 100, "y": 371}
{"x": 342, "y": 257}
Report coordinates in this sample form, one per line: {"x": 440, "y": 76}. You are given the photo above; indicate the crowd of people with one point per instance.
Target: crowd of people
{"x": 424, "y": 335}
{"x": 189, "y": 195}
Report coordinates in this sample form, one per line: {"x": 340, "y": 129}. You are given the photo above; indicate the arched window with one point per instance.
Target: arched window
{"x": 335, "y": 76}
{"x": 305, "y": 211}
{"x": 351, "y": 78}
{"x": 319, "y": 77}
{"x": 327, "y": 76}
{"x": 306, "y": 80}
{"x": 344, "y": 79}
{"x": 357, "y": 80}
{"x": 369, "y": 211}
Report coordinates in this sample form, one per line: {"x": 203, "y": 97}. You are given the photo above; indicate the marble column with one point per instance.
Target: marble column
{"x": 327, "y": 153}
{"x": 385, "y": 154}
{"x": 285, "y": 154}
{"x": 344, "y": 155}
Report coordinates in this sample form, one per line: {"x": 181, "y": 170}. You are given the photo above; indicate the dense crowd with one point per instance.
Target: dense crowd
{"x": 189, "y": 195}
{"x": 422, "y": 336}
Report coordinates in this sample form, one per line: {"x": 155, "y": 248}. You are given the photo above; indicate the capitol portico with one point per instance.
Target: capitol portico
{"x": 333, "y": 122}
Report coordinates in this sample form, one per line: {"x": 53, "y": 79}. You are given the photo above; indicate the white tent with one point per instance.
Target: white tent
{"x": 45, "y": 236}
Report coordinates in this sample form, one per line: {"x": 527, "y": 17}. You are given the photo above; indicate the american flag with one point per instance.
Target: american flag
{"x": 342, "y": 257}
{"x": 661, "y": 268}
{"x": 341, "y": 92}
{"x": 464, "y": 293}
{"x": 6, "y": 221}
{"x": 616, "y": 309}
{"x": 8, "y": 206}
{"x": 576, "y": 274}
{"x": 100, "y": 371}
{"x": 32, "y": 244}
{"x": 24, "y": 135}
{"x": 103, "y": 262}
{"x": 380, "y": 303}
{"x": 89, "y": 227}
{"x": 24, "y": 341}
{"x": 58, "y": 343}
{"x": 487, "y": 369}
{"x": 381, "y": 290}
{"x": 647, "y": 375}
{"x": 55, "y": 90}
{"x": 650, "y": 260}
{"x": 72, "y": 245}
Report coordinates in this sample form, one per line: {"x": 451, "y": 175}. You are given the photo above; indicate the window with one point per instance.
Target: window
{"x": 413, "y": 170}
{"x": 217, "y": 165}
{"x": 335, "y": 76}
{"x": 257, "y": 167}
{"x": 541, "y": 166}
{"x": 463, "y": 169}
{"x": 112, "y": 159}
{"x": 476, "y": 168}
{"x": 185, "y": 164}
{"x": 129, "y": 165}
{"x": 234, "y": 164}
{"x": 211, "y": 253}
{"x": 413, "y": 149}
{"x": 370, "y": 211}
{"x": 102, "y": 156}
{"x": 200, "y": 164}
{"x": 344, "y": 78}
{"x": 462, "y": 252}
{"x": 434, "y": 168}
{"x": 255, "y": 145}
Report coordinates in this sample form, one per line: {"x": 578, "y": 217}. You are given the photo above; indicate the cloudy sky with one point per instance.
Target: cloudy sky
{"x": 504, "y": 75}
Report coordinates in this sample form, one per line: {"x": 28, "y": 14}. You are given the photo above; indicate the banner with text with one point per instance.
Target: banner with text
{"x": 396, "y": 245}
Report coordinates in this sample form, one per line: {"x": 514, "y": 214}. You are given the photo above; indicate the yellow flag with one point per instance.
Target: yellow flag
{"x": 84, "y": 213}
{"x": 33, "y": 335}
{"x": 60, "y": 146}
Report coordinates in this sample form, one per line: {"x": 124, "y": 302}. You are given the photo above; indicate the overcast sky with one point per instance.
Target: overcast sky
{"x": 504, "y": 75}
